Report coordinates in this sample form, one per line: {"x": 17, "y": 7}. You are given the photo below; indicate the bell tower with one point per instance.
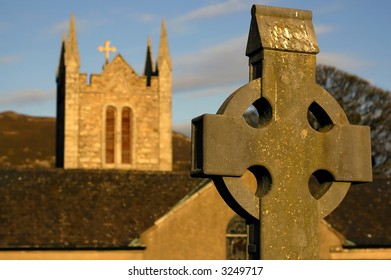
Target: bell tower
{"x": 118, "y": 119}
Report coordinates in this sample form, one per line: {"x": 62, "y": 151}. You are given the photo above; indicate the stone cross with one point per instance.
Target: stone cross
{"x": 301, "y": 133}
{"x": 107, "y": 49}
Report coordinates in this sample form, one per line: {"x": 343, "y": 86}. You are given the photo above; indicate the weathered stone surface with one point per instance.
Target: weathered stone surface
{"x": 302, "y": 132}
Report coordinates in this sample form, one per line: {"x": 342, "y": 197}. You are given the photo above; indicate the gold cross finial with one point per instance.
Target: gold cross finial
{"x": 107, "y": 49}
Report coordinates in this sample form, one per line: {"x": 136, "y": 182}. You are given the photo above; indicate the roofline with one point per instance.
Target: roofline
{"x": 202, "y": 184}
{"x": 73, "y": 248}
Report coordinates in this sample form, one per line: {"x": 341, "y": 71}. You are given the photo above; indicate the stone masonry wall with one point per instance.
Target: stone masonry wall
{"x": 165, "y": 112}
{"x": 120, "y": 86}
{"x": 71, "y": 116}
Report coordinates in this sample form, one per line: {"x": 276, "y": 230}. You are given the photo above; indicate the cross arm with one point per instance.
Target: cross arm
{"x": 219, "y": 146}
{"x": 348, "y": 152}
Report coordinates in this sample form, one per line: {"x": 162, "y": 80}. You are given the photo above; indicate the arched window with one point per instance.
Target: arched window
{"x": 110, "y": 134}
{"x": 236, "y": 239}
{"x": 126, "y": 134}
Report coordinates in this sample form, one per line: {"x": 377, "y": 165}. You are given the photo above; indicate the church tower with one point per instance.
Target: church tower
{"x": 117, "y": 119}
{"x": 68, "y": 100}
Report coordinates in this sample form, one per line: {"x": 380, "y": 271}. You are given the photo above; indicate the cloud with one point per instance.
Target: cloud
{"x": 26, "y": 97}
{"x": 205, "y": 92}
{"x": 342, "y": 61}
{"x": 323, "y": 29}
{"x": 9, "y": 59}
{"x": 212, "y": 10}
{"x": 219, "y": 65}
{"x": 82, "y": 25}
{"x": 220, "y": 68}
{"x": 328, "y": 7}
{"x": 59, "y": 27}
{"x": 145, "y": 18}
{"x": 179, "y": 24}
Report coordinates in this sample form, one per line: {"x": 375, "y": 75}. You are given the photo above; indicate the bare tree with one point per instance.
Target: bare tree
{"x": 364, "y": 104}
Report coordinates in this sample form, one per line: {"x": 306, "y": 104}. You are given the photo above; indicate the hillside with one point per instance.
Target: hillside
{"x": 26, "y": 141}
{"x": 29, "y": 142}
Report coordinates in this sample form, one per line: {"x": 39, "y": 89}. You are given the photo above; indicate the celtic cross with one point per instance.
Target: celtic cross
{"x": 107, "y": 49}
{"x": 301, "y": 133}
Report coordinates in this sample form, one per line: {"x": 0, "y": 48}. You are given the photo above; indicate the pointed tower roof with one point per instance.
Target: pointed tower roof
{"x": 148, "y": 69}
{"x": 71, "y": 48}
{"x": 164, "y": 53}
{"x": 64, "y": 37}
{"x": 62, "y": 54}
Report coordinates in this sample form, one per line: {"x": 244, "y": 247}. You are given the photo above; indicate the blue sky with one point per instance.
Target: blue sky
{"x": 207, "y": 40}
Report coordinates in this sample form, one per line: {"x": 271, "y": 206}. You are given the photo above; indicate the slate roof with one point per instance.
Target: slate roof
{"x": 56, "y": 208}
{"x": 87, "y": 209}
{"x": 364, "y": 216}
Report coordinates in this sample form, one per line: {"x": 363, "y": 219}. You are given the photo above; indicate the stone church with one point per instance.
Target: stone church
{"x": 117, "y": 119}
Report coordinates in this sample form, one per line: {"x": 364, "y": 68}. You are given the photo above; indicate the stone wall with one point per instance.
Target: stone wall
{"x": 118, "y": 86}
{"x": 165, "y": 123}
{"x": 71, "y": 124}
{"x": 193, "y": 230}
